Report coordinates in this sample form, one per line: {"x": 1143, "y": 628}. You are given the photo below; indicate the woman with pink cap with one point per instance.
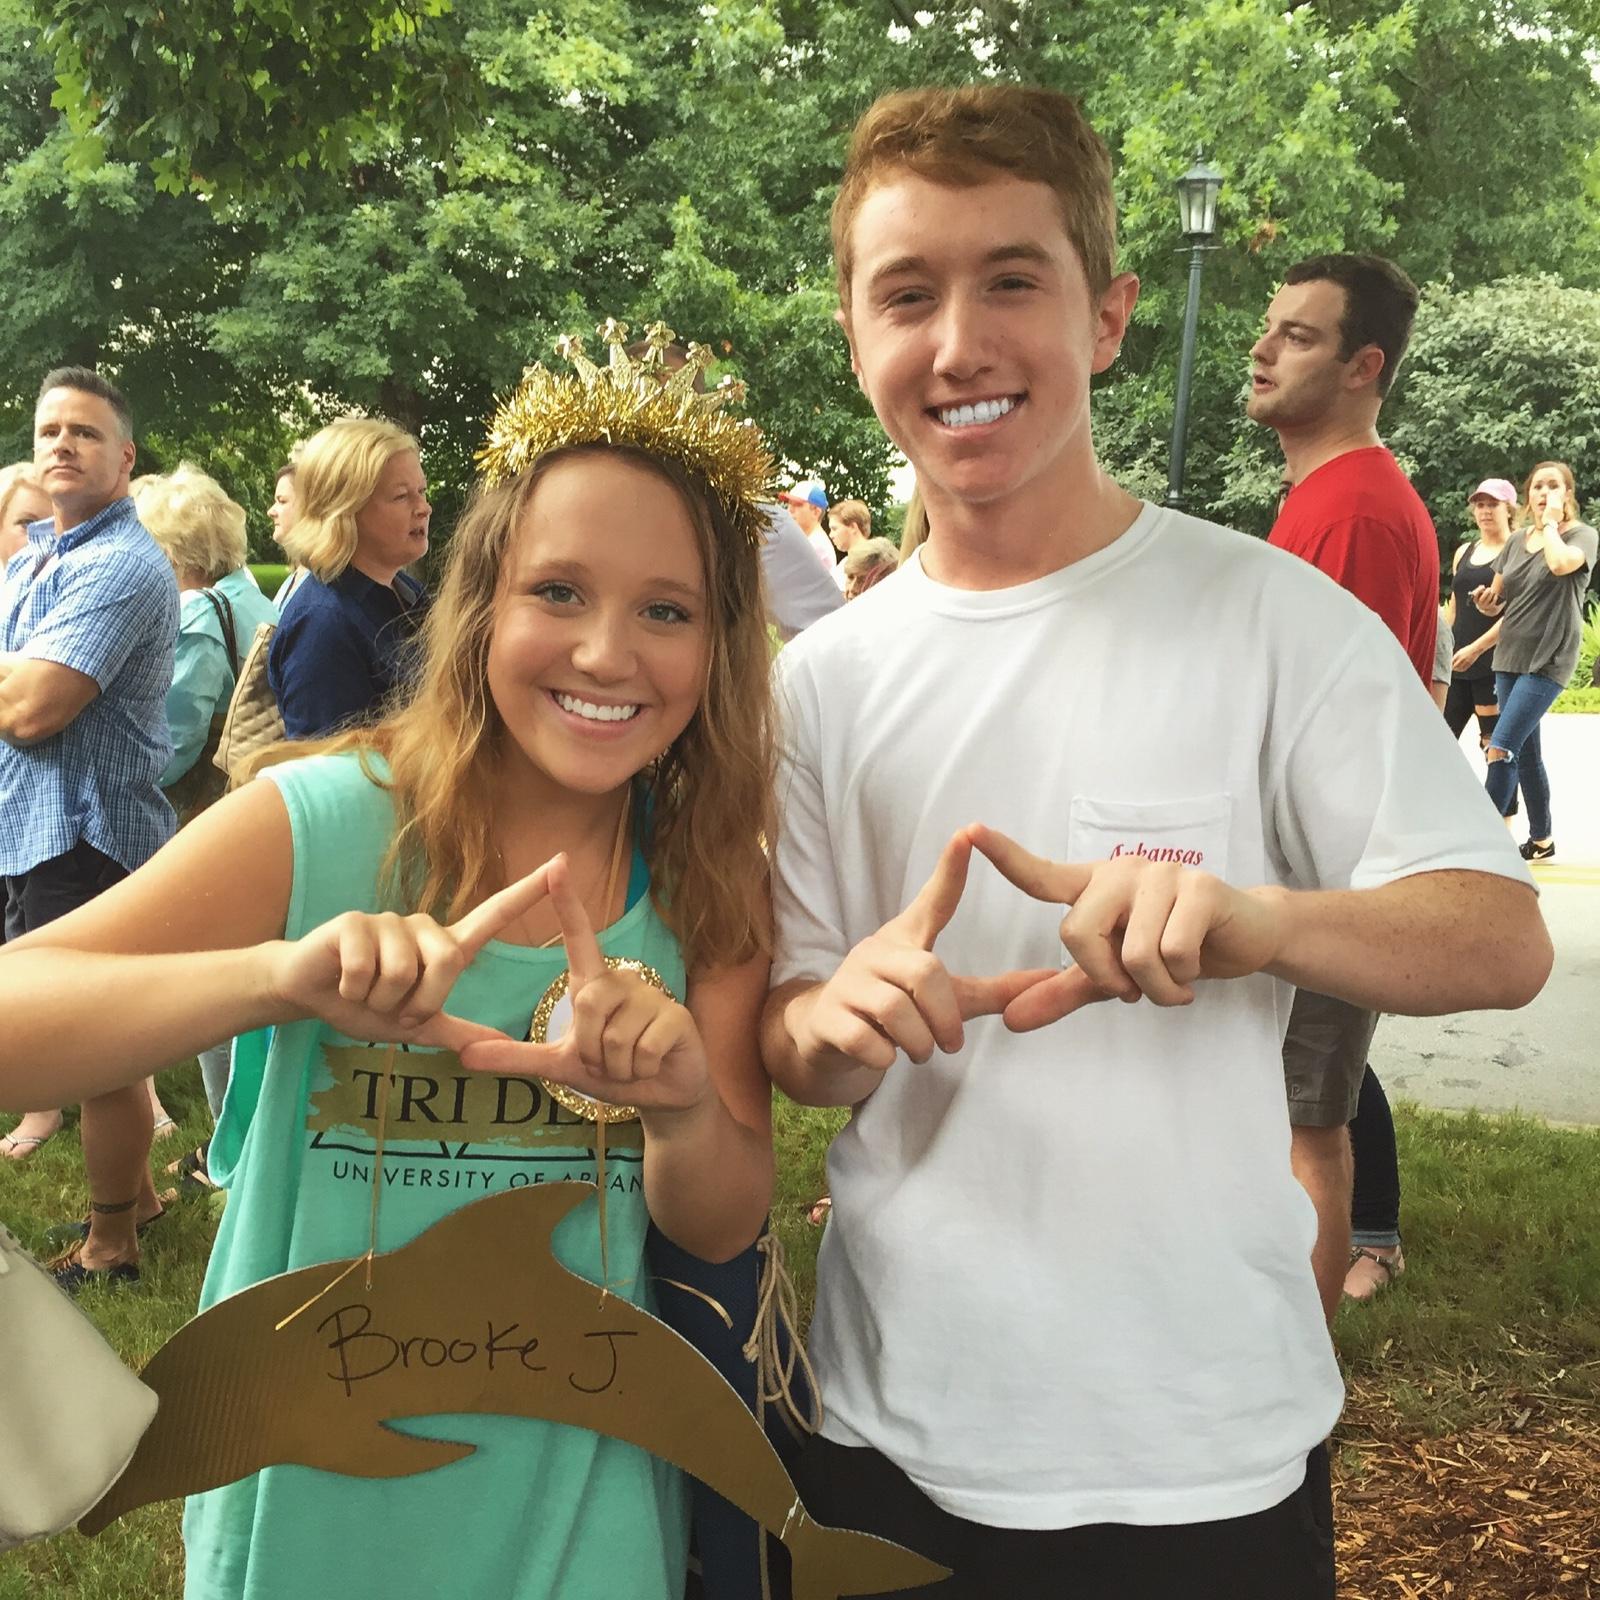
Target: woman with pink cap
{"x": 1472, "y": 669}
{"x": 1539, "y": 580}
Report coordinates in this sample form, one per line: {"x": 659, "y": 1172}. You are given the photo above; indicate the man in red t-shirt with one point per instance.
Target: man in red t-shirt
{"x": 1334, "y": 336}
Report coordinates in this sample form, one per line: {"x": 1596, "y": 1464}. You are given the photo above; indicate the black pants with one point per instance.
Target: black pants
{"x": 57, "y": 886}
{"x": 1284, "y": 1553}
{"x": 1460, "y": 705}
{"x": 727, "y": 1541}
{"x": 1375, "y": 1194}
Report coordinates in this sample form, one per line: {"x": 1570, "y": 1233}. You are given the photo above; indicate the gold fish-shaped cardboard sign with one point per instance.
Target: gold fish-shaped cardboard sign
{"x": 445, "y": 1328}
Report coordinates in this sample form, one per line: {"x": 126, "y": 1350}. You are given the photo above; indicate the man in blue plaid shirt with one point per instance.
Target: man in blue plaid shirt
{"x": 88, "y": 618}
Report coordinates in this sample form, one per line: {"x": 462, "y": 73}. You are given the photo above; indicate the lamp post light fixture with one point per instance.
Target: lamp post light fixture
{"x": 1197, "y": 216}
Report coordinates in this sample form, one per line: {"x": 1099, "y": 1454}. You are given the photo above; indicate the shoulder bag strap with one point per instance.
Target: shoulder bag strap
{"x": 230, "y": 639}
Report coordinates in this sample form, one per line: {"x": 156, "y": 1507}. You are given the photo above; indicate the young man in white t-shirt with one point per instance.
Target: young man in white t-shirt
{"x": 1067, "y": 1331}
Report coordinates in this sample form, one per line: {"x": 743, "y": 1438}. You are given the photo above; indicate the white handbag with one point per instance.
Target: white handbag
{"x": 71, "y": 1414}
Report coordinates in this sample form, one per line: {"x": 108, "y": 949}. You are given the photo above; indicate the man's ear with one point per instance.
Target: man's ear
{"x": 1111, "y": 323}
{"x": 129, "y": 455}
{"x": 1364, "y": 367}
{"x": 842, "y": 317}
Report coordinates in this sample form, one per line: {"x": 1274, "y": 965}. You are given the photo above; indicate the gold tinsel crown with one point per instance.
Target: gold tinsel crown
{"x": 639, "y": 403}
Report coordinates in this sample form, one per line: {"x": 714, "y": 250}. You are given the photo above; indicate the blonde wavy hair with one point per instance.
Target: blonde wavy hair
{"x": 708, "y": 801}
{"x": 335, "y": 475}
{"x": 191, "y": 516}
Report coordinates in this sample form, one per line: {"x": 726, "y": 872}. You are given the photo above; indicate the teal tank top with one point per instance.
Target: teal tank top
{"x": 540, "y": 1511}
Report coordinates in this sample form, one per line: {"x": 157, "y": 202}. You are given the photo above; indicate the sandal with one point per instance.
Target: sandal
{"x": 194, "y": 1182}
{"x": 1369, "y": 1285}
{"x": 71, "y": 1275}
{"x": 161, "y": 1127}
{"x": 65, "y": 1235}
{"x": 818, "y": 1214}
{"x": 17, "y": 1146}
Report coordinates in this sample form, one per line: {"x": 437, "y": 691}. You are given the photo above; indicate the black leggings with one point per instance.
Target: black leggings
{"x": 1375, "y": 1197}
{"x": 1461, "y": 701}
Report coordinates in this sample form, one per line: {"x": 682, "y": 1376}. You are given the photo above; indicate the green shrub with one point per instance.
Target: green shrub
{"x": 1581, "y": 694}
{"x": 1578, "y": 700}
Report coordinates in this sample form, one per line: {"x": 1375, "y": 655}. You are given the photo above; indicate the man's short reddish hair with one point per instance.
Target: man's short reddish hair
{"x": 965, "y": 136}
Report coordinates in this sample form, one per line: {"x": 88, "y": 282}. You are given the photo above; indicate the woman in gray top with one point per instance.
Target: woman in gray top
{"x": 1537, "y": 593}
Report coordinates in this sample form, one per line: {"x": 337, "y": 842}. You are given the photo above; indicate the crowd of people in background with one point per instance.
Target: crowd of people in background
{"x": 351, "y": 514}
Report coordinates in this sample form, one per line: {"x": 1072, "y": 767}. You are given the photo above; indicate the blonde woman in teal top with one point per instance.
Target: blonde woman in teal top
{"x": 588, "y": 746}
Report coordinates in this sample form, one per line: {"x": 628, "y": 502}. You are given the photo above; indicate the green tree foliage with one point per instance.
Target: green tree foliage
{"x": 243, "y": 98}
{"x": 1498, "y": 378}
{"x": 102, "y": 270}
{"x": 340, "y": 232}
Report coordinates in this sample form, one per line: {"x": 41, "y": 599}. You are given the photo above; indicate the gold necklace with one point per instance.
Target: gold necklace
{"x": 612, "y": 872}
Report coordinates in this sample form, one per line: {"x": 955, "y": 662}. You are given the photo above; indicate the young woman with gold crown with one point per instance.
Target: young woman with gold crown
{"x": 588, "y": 746}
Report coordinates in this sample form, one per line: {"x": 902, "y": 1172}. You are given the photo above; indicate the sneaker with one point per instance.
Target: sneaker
{"x": 1529, "y": 851}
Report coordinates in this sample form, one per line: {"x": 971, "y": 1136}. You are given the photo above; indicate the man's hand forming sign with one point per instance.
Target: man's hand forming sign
{"x": 1137, "y": 929}
{"x": 892, "y": 993}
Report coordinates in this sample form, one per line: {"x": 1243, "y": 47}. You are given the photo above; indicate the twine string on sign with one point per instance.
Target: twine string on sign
{"x": 377, "y": 1193}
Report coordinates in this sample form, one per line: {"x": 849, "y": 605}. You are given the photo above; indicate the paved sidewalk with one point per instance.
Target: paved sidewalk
{"x": 1544, "y": 1059}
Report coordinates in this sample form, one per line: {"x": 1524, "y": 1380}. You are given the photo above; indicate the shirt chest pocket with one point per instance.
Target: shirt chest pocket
{"x": 1187, "y": 832}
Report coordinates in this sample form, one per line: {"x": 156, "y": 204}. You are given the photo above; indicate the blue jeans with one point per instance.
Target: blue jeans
{"x": 1524, "y": 697}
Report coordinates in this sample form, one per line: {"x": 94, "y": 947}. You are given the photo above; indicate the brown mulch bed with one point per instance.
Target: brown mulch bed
{"x": 1510, "y": 1512}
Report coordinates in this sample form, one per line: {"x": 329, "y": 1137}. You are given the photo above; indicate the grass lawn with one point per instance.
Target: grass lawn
{"x": 1467, "y": 1463}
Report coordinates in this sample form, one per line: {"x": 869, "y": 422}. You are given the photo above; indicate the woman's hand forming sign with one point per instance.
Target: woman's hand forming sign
{"x": 1137, "y": 929}
{"x": 629, "y": 1043}
{"x": 386, "y": 977}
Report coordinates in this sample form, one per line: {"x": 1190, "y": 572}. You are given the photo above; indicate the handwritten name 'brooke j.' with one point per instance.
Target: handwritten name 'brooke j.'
{"x": 362, "y": 1352}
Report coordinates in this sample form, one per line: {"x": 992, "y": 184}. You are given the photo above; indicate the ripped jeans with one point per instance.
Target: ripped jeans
{"x": 1524, "y": 698}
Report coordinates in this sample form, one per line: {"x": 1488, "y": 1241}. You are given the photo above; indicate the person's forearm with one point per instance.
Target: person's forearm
{"x": 1487, "y": 640}
{"x": 78, "y": 1024}
{"x": 1427, "y": 945}
{"x": 15, "y": 714}
{"x": 707, "y": 1179}
{"x": 36, "y": 705}
{"x": 838, "y": 1083}
{"x": 1559, "y": 556}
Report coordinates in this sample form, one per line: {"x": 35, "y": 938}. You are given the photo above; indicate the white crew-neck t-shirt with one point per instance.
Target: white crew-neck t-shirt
{"x": 1067, "y": 1277}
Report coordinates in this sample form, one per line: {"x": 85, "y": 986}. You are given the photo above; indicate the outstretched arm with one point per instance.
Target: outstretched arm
{"x": 1138, "y": 929}
{"x": 154, "y": 969}
{"x": 190, "y": 950}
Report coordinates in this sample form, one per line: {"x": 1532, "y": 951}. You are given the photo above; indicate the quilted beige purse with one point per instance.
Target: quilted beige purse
{"x": 73, "y": 1413}
{"x": 253, "y": 720}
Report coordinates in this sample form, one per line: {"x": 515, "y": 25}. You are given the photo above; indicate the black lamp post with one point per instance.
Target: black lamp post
{"x": 1197, "y": 212}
